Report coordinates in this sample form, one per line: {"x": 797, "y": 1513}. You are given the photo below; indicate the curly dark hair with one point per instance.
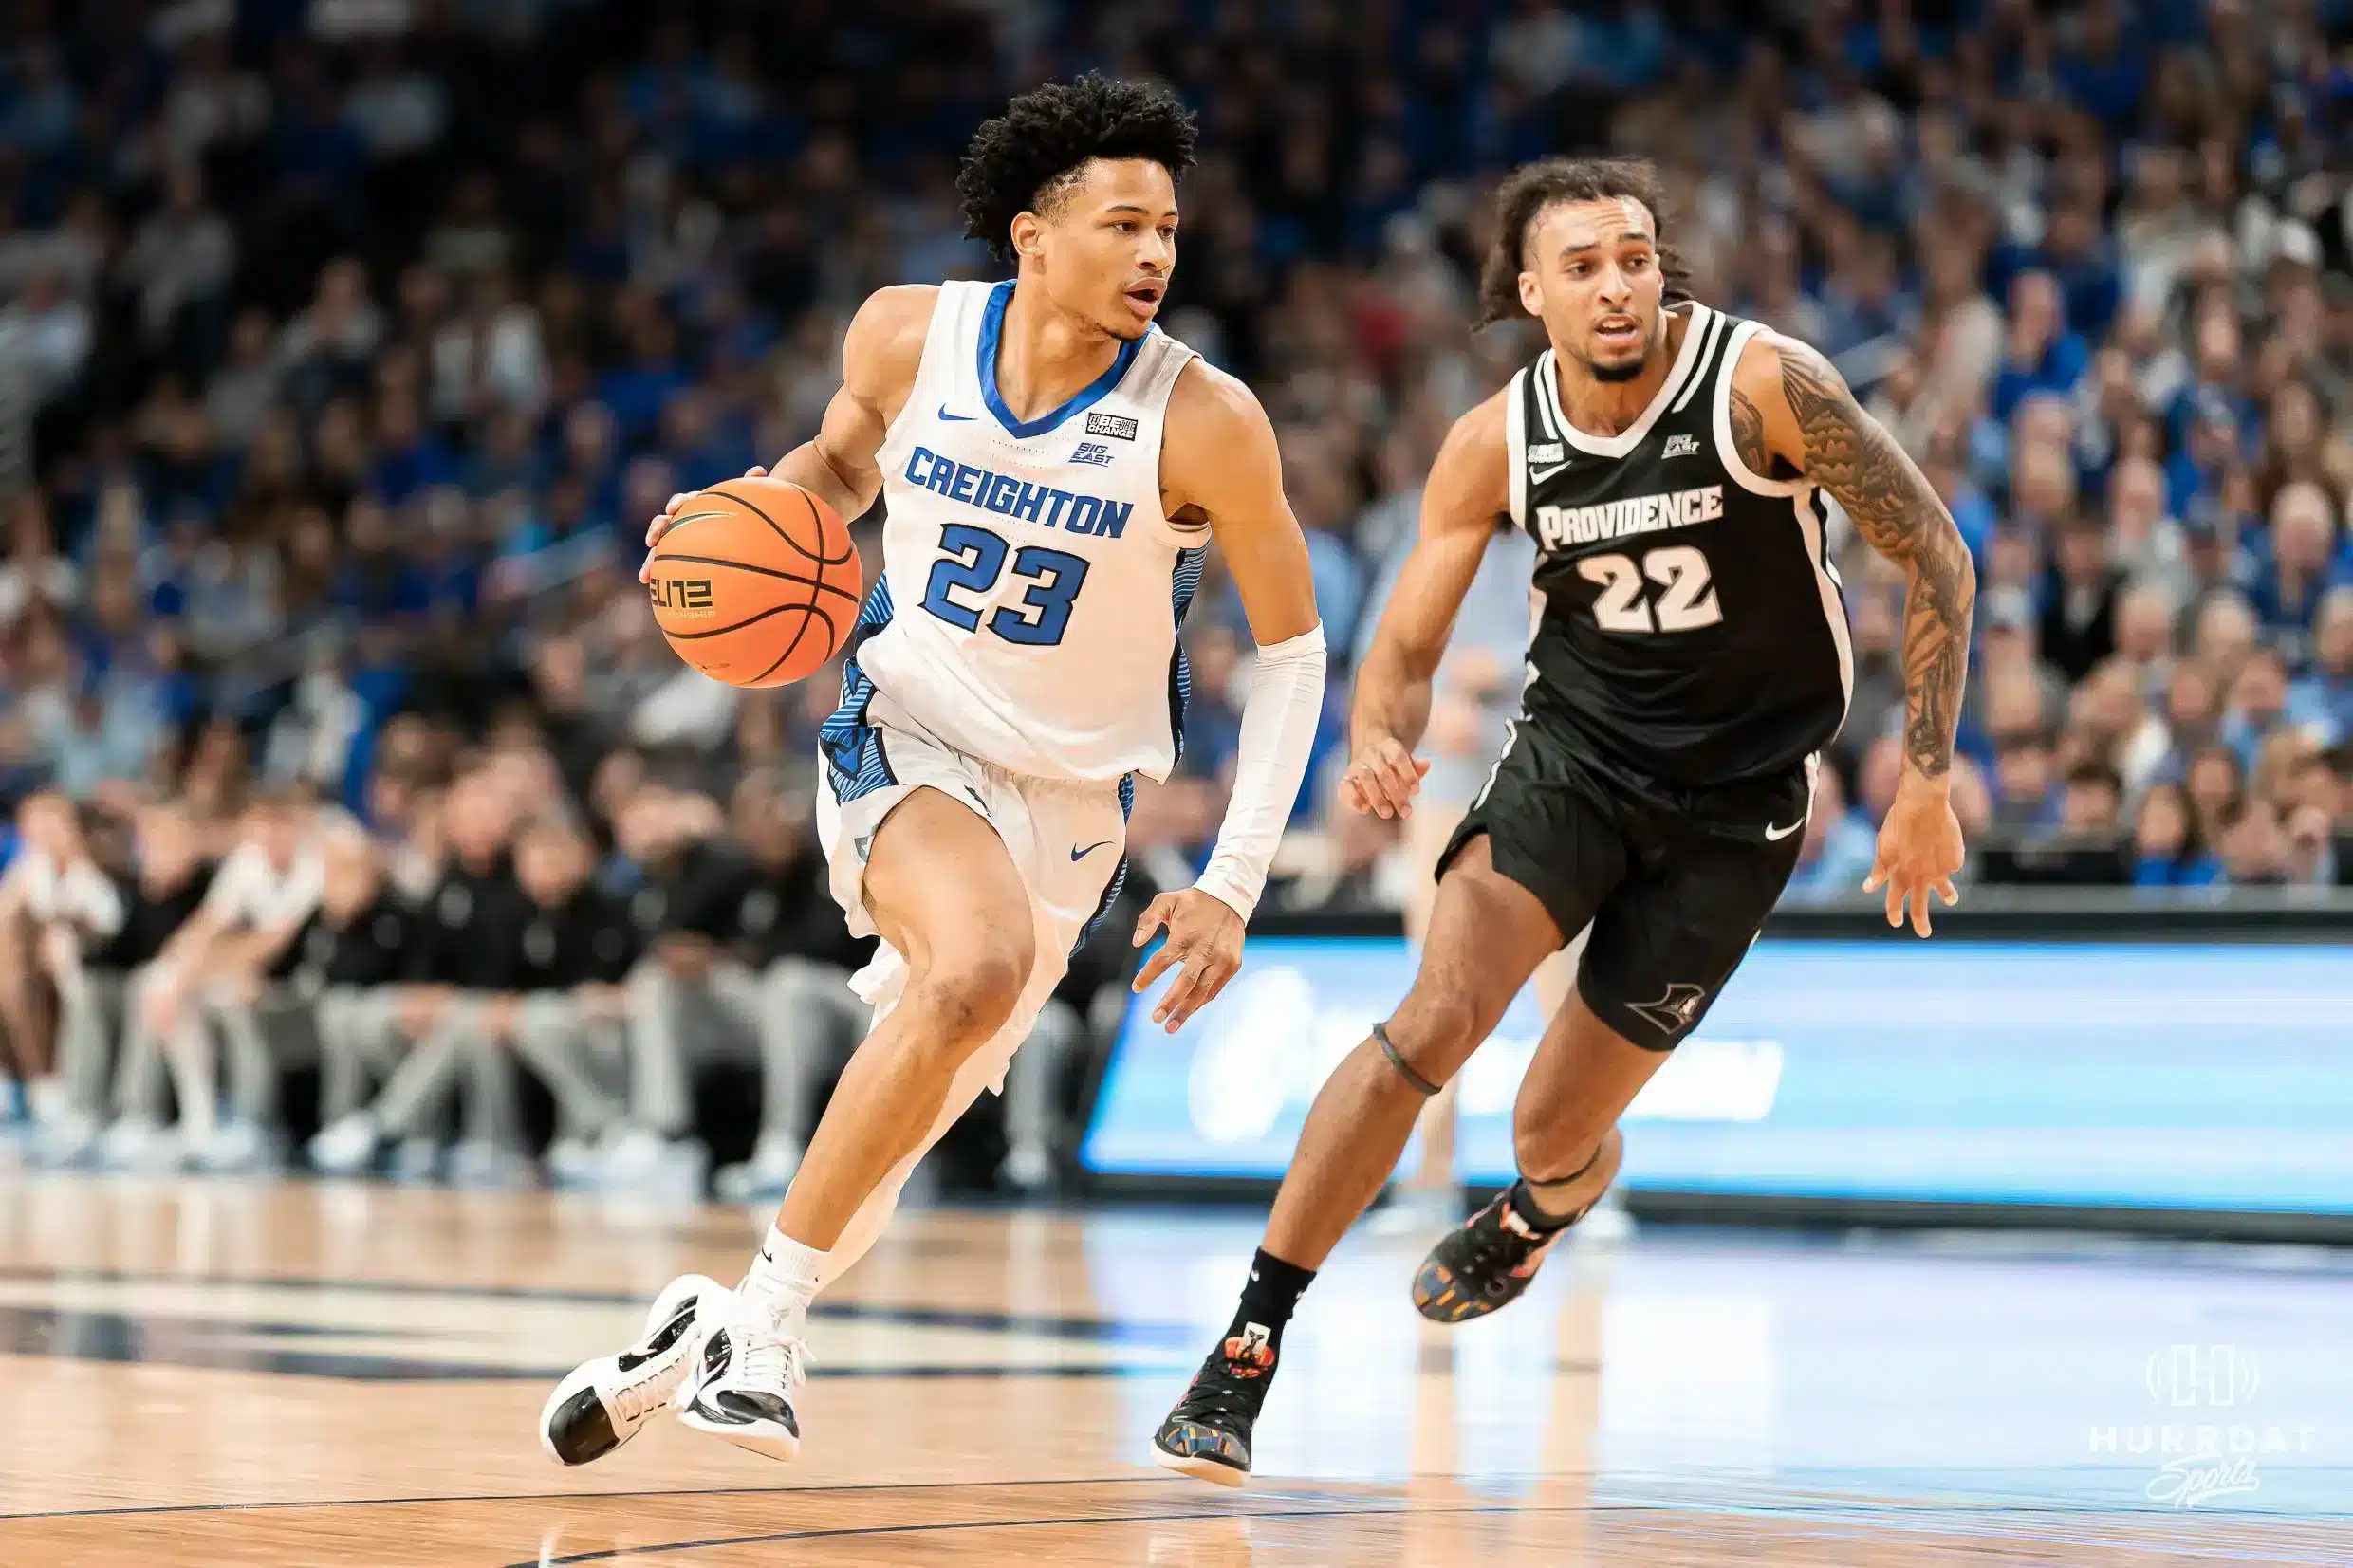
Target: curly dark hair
{"x": 1532, "y": 187}
{"x": 1026, "y": 158}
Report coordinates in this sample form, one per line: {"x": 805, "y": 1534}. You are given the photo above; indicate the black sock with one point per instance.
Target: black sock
{"x": 1531, "y": 1210}
{"x": 1268, "y": 1301}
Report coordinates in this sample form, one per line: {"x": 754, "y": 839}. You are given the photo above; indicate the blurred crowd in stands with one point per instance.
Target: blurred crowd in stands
{"x": 345, "y": 347}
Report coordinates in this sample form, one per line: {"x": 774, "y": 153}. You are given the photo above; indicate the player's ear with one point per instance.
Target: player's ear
{"x": 1531, "y": 294}
{"x": 1028, "y": 236}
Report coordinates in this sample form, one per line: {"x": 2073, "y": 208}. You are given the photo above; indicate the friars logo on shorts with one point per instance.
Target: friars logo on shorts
{"x": 1118, "y": 426}
{"x": 1676, "y": 1011}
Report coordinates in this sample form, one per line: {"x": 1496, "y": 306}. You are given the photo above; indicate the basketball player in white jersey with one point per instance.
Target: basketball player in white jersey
{"x": 1053, "y": 469}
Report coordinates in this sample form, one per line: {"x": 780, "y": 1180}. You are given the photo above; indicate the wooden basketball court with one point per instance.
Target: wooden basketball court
{"x": 211, "y": 1373}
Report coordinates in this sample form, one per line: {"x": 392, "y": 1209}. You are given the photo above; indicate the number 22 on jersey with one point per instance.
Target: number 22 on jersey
{"x": 974, "y": 561}
{"x": 1686, "y": 600}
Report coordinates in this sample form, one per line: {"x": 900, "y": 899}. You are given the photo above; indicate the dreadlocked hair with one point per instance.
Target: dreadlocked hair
{"x": 1533, "y": 187}
{"x": 1027, "y": 158}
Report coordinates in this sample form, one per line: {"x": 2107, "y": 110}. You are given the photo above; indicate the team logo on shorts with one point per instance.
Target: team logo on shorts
{"x": 1676, "y": 1011}
{"x": 1093, "y": 453}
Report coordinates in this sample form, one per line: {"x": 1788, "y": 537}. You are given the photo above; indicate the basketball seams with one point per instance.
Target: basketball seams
{"x": 818, "y": 583}
{"x": 817, "y": 580}
{"x": 813, "y": 613}
{"x": 833, "y": 636}
{"x": 816, "y": 521}
{"x": 748, "y": 620}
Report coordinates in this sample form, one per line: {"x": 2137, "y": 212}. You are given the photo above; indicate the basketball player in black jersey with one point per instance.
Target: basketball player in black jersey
{"x": 1688, "y": 661}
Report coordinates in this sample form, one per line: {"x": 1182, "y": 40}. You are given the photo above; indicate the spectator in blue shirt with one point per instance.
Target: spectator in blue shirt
{"x": 702, "y": 443}
{"x": 2218, "y": 370}
{"x": 2166, "y": 850}
{"x": 638, "y": 390}
{"x": 2322, "y": 701}
{"x": 2083, "y": 261}
{"x": 2297, "y": 563}
{"x": 379, "y": 583}
{"x": 2258, "y": 705}
{"x": 2195, "y": 473}
{"x": 504, "y": 459}
{"x": 409, "y": 457}
{"x": 2107, "y": 73}
{"x": 2043, "y": 355}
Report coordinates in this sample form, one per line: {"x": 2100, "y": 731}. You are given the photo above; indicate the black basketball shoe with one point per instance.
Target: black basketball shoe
{"x": 604, "y": 1402}
{"x": 1208, "y": 1435}
{"x": 1481, "y": 1264}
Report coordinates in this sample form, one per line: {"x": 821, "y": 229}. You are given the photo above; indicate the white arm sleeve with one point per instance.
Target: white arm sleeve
{"x": 1279, "y": 719}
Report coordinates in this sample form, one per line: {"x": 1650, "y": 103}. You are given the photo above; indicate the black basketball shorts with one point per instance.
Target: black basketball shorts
{"x": 1675, "y": 883}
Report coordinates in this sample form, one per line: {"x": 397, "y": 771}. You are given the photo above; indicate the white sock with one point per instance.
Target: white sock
{"x": 782, "y": 1279}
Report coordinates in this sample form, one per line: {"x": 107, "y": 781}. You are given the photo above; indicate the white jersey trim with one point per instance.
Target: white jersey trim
{"x": 1549, "y": 388}
{"x": 1833, "y": 602}
{"x": 1726, "y": 452}
{"x": 1515, "y": 444}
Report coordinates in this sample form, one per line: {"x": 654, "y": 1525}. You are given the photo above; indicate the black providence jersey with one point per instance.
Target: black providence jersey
{"x": 1687, "y": 618}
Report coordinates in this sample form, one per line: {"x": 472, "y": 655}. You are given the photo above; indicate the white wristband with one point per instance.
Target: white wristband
{"x": 1279, "y": 721}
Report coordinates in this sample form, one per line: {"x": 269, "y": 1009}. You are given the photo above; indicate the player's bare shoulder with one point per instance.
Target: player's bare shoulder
{"x": 1757, "y": 391}
{"x": 1218, "y": 448}
{"x": 883, "y": 348}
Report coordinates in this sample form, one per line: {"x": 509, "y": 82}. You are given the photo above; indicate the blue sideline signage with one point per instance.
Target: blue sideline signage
{"x": 2174, "y": 1075}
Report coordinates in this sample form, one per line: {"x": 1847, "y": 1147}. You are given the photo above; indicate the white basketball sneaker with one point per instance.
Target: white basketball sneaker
{"x": 603, "y": 1402}
{"x": 742, "y": 1386}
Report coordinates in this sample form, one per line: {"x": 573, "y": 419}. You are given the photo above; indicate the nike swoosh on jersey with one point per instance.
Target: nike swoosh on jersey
{"x": 956, "y": 418}
{"x": 1083, "y": 854}
{"x": 1537, "y": 477}
{"x": 1775, "y": 834}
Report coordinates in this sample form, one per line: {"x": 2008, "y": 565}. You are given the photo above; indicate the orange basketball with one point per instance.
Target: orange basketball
{"x": 756, "y": 583}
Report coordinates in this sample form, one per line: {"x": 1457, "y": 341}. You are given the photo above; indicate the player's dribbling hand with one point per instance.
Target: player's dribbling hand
{"x": 660, "y": 525}
{"x": 1919, "y": 850}
{"x": 1383, "y": 778}
{"x": 1204, "y": 937}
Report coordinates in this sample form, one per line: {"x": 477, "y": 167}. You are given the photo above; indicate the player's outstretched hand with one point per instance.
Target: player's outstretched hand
{"x": 1204, "y": 937}
{"x": 660, "y": 525}
{"x": 1383, "y": 778}
{"x": 1920, "y": 851}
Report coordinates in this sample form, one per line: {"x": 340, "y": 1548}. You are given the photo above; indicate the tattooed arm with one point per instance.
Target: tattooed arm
{"x": 1791, "y": 411}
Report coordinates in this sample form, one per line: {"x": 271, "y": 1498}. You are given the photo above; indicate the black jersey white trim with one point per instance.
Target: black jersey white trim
{"x": 1515, "y": 444}
{"x": 1707, "y": 360}
{"x": 1747, "y": 478}
{"x": 1686, "y": 361}
{"x": 1809, "y": 523}
{"x": 1543, "y": 367}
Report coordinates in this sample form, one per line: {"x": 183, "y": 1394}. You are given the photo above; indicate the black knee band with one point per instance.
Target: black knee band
{"x": 1405, "y": 1069}
{"x": 1563, "y": 1181}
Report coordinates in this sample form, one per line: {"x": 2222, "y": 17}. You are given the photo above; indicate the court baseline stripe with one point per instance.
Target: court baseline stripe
{"x": 1101, "y": 1330}
{"x": 143, "y": 1509}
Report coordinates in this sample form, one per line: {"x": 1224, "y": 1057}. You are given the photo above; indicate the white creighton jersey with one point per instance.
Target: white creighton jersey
{"x": 1031, "y": 588}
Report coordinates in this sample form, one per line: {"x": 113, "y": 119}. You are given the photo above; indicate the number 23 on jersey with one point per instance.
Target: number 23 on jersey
{"x": 975, "y": 558}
